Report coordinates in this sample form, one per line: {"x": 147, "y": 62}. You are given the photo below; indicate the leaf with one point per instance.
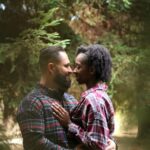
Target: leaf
{"x": 13, "y": 68}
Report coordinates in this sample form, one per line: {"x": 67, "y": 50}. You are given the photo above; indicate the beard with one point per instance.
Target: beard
{"x": 63, "y": 81}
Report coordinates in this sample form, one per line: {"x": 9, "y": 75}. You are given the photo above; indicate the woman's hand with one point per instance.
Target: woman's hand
{"x": 111, "y": 145}
{"x": 61, "y": 114}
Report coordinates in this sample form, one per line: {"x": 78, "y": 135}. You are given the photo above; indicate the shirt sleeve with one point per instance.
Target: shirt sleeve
{"x": 31, "y": 122}
{"x": 96, "y": 133}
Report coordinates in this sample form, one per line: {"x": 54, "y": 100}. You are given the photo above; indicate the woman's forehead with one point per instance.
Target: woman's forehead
{"x": 81, "y": 57}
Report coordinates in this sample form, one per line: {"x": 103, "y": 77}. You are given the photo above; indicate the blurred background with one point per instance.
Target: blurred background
{"x": 123, "y": 26}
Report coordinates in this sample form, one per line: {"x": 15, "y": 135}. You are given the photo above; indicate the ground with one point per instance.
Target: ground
{"x": 124, "y": 143}
{"x": 131, "y": 143}
{"x": 126, "y": 139}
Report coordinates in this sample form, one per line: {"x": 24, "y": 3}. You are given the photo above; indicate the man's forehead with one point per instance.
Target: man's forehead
{"x": 62, "y": 53}
{"x": 63, "y": 57}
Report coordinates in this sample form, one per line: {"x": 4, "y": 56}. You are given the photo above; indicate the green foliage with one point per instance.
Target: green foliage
{"x": 19, "y": 58}
{"x": 121, "y": 25}
{"x": 124, "y": 59}
{"x": 3, "y": 140}
{"x": 114, "y": 5}
{"x": 121, "y": 5}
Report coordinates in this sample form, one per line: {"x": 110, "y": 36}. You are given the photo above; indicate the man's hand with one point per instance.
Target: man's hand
{"x": 111, "y": 145}
{"x": 61, "y": 114}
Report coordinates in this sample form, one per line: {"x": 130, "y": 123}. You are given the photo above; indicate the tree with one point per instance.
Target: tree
{"x": 123, "y": 26}
{"x": 26, "y": 26}
{"x": 19, "y": 47}
{"x": 141, "y": 8}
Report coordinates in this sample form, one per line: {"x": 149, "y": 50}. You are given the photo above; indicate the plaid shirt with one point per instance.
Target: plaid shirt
{"x": 39, "y": 128}
{"x": 93, "y": 118}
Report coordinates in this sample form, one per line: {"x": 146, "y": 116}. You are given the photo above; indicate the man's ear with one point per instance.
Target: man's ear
{"x": 51, "y": 67}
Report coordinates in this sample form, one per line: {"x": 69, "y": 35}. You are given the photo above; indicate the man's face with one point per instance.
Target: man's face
{"x": 62, "y": 72}
{"x": 81, "y": 69}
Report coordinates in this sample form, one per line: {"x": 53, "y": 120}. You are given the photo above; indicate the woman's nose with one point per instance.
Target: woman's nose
{"x": 75, "y": 70}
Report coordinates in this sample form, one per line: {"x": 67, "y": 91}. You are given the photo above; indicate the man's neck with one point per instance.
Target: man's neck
{"x": 51, "y": 86}
{"x": 47, "y": 83}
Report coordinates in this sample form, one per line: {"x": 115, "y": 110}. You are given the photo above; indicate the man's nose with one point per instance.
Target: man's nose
{"x": 70, "y": 70}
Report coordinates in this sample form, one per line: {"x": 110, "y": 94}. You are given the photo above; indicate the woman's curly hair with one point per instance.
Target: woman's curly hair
{"x": 99, "y": 58}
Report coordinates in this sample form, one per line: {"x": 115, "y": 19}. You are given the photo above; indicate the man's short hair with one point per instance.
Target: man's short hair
{"x": 49, "y": 54}
{"x": 99, "y": 58}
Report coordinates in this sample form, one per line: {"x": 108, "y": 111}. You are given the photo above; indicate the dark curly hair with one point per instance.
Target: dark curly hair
{"x": 99, "y": 58}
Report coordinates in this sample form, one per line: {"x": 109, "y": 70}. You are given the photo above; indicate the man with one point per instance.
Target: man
{"x": 39, "y": 128}
{"x": 92, "y": 121}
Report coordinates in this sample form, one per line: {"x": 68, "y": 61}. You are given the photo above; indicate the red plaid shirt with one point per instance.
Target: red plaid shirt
{"x": 93, "y": 118}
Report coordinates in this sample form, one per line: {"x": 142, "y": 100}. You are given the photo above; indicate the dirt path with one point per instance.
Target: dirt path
{"x": 126, "y": 141}
{"x": 131, "y": 143}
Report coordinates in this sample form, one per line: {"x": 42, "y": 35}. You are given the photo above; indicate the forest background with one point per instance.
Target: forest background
{"x": 123, "y": 26}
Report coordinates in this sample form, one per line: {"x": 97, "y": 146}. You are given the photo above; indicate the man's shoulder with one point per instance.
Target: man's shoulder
{"x": 34, "y": 96}
{"x": 70, "y": 101}
{"x": 69, "y": 97}
{"x": 34, "y": 99}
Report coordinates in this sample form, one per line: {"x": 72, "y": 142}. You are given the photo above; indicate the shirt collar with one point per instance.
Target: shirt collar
{"x": 98, "y": 86}
{"x": 57, "y": 95}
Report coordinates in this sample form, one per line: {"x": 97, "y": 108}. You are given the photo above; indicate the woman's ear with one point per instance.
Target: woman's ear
{"x": 92, "y": 70}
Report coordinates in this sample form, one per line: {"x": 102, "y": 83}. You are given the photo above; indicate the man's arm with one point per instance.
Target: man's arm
{"x": 32, "y": 128}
